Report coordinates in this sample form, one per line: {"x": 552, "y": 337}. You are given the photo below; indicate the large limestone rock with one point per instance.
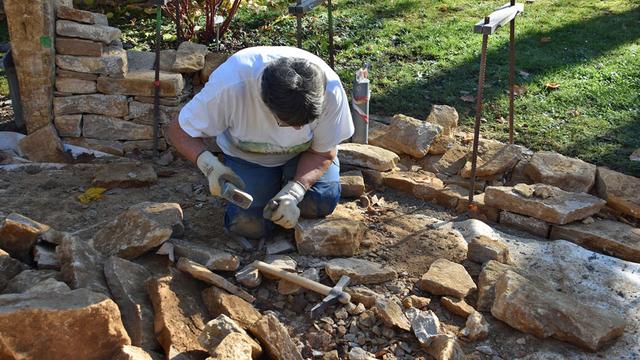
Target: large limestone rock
{"x": 567, "y": 173}
{"x": 538, "y": 309}
{"x": 138, "y": 230}
{"x": 81, "y": 266}
{"x": 525, "y": 223}
{"x": 31, "y": 26}
{"x": 105, "y": 34}
{"x": 43, "y": 145}
{"x": 216, "y": 333}
{"x": 275, "y": 339}
{"x": 143, "y": 113}
{"x": 495, "y": 159}
{"x": 483, "y": 248}
{"x": 9, "y": 268}
{"x": 329, "y": 237}
{"x": 367, "y": 156}
{"x": 235, "y": 346}
{"x": 210, "y": 258}
{"x": 189, "y": 57}
{"x": 62, "y": 325}
{"x": 108, "y": 105}
{"x": 360, "y": 271}
{"x": 18, "y": 235}
{"x": 605, "y": 236}
{"x": 140, "y": 83}
{"x": 124, "y": 175}
{"x": 620, "y": 190}
{"x": 126, "y": 281}
{"x": 422, "y": 185}
{"x": 491, "y": 272}
{"x": 447, "y": 278}
{"x": 544, "y": 202}
{"x": 81, "y": 16}
{"x": 108, "y": 128}
{"x": 180, "y": 316}
{"x": 113, "y": 63}
{"x": 407, "y": 135}
{"x": 219, "y": 302}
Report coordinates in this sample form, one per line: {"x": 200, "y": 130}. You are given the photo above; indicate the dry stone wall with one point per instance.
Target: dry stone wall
{"x": 104, "y": 94}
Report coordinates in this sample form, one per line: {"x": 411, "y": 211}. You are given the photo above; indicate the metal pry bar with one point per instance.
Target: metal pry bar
{"x": 498, "y": 18}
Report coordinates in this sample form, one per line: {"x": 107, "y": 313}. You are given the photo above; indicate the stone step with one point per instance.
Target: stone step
{"x": 105, "y": 34}
{"x": 141, "y": 83}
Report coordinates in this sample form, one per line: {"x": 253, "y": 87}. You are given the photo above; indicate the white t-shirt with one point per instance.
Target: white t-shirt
{"x": 230, "y": 107}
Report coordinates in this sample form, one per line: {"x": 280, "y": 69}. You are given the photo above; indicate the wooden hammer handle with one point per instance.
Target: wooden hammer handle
{"x": 292, "y": 278}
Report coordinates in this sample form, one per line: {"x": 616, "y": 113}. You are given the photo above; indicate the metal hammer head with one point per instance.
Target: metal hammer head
{"x": 236, "y": 196}
{"x": 337, "y": 294}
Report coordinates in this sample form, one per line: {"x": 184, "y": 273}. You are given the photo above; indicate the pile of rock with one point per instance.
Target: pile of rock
{"x": 104, "y": 94}
{"x": 543, "y": 193}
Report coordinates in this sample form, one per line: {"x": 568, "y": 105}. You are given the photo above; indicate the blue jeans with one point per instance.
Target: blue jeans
{"x": 263, "y": 183}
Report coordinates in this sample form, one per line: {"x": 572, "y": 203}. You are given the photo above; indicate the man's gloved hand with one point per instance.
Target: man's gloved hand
{"x": 215, "y": 171}
{"x": 287, "y": 212}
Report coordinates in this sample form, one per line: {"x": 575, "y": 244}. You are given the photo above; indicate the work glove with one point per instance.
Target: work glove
{"x": 216, "y": 173}
{"x": 283, "y": 208}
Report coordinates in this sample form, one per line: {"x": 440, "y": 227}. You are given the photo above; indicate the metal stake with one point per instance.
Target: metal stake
{"x": 512, "y": 72}
{"x": 299, "y": 27}
{"x": 476, "y": 129}
{"x": 156, "y": 84}
{"x": 178, "y": 26}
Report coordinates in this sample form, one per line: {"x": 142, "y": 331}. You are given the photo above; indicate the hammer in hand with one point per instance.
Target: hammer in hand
{"x": 332, "y": 295}
{"x": 234, "y": 195}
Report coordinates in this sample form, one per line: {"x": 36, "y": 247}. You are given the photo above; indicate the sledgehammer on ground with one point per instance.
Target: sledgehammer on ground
{"x": 332, "y": 295}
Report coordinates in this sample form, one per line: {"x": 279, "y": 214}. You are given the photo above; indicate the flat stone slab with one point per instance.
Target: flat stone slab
{"x": 546, "y": 202}
{"x": 423, "y": 185}
{"x": 447, "y": 278}
{"x": 78, "y": 47}
{"x": 453, "y": 160}
{"x": 108, "y": 105}
{"x": 81, "y": 266}
{"x": 567, "y": 173}
{"x": 70, "y": 325}
{"x": 604, "y": 236}
{"x": 142, "y": 113}
{"x": 407, "y": 135}
{"x": 105, "y": 34}
{"x": 525, "y": 223}
{"x": 124, "y": 175}
{"x": 620, "y": 190}
{"x": 536, "y": 308}
{"x": 219, "y": 302}
{"x": 367, "y": 156}
{"x": 113, "y": 63}
{"x": 110, "y": 128}
{"x": 208, "y": 257}
{"x": 141, "y": 83}
{"x": 360, "y": 271}
{"x": 75, "y": 86}
{"x": 139, "y": 229}
{"x": 27, "y": 279}
{"x": 81, "y": 16}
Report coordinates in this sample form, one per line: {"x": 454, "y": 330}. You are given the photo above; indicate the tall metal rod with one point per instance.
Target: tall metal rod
{"x": 299, "y": 26}
{"x": 512, "y": 72}
{"x": 331, "y": 45}
{"x": 156, "y": 84}
{"x": 476, "y": 129}
{"x": 178, "y": 25}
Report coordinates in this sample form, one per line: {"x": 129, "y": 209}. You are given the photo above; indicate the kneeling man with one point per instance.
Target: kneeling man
{"x": 278, "y": 114}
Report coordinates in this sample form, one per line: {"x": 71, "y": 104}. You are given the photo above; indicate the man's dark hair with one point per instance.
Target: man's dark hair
{"x": 293, "y": 89}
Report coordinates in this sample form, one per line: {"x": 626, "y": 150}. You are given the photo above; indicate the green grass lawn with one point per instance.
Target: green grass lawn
{"x": 423, "y": 52}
